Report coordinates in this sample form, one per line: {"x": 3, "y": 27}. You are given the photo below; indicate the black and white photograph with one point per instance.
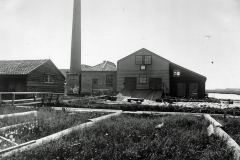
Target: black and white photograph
{"x": 119, "y": 79}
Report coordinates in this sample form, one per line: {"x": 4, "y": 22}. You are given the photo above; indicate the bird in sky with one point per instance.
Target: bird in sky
{"x": 208, "y": 37}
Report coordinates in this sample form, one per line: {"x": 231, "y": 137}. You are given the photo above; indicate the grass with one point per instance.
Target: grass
{"x": 231, "y": 126}
{"x": 46, "y": 123}
{"x": 135, "y": 137}
{"x": 92, "y": 103}
{"x": 12, "y": 109}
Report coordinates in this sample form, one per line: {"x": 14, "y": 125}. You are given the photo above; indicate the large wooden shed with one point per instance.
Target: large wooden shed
{"x": 145, "y": 70}
{"x": 30, "y": 76}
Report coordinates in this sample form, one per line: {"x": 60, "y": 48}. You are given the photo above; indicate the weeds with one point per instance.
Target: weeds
{"x": 135, "y": 137}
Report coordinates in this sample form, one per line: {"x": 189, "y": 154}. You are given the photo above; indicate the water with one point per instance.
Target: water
{"x": 224, "y": 96}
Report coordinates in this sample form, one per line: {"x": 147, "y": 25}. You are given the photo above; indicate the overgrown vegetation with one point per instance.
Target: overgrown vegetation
{"x": 231, "y": 126}
{"x": 48, "y": 121}
{"x": 90, "y": 103}
{"x": 13, "y": 109}
{"x": 135, "y": 137}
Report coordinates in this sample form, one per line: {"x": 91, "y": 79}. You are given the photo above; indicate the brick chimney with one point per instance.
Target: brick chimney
{"x": 75, "y": 66}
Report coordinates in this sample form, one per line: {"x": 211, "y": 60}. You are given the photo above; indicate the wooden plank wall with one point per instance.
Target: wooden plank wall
{"x": 87, "y": 77}
{"x": 152, "y": 74}
{"x": 186, "y": 77}
{"x": 128, "y": 68}
{"x": 35, "y": 80}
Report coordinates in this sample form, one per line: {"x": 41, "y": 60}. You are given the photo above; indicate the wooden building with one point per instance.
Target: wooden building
{"x": 102, "y": 77}
{"x": 145, "y": 70}
{"x": 30, "y": 76}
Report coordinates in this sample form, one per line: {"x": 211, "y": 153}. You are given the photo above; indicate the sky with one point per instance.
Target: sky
{"x": 201, "y": 35}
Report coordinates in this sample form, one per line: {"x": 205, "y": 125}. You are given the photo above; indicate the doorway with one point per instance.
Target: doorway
{"x": 130, "y": 82}
{"x": 181, "y": 89}
{"x": 94, "y": 83}
{"x": 155, "y": 83}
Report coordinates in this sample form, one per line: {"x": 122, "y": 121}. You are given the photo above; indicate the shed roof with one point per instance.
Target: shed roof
{"x": 19, "y": 67}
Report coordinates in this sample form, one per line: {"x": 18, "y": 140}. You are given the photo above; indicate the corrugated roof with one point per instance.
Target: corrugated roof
{"x": 105, "y": 66}
{"x": 19, "y": 67}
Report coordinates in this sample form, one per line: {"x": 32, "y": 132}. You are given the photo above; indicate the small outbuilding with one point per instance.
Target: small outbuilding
{"x": 101, "y": 78}
{"x": 30, "y": 76}
{"x": 146, "y": 71}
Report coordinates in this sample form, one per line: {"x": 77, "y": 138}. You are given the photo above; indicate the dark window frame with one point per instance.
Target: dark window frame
{"x": 48, "y": 78}
{"x": 138, "y": 61}
{"x": 176, "y": 73}
{"x": 140, "y": 79}
{"x": 148, "y": 60}
{"x": 144, "y": 60}
{"x": 109, "y": 80}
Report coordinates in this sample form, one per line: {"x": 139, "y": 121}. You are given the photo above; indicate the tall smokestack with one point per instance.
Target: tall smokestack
{"x": 75, "y": 66}
{"x": 73, "y": 80}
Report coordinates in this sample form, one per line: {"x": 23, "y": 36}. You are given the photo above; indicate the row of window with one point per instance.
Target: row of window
{"x": 109, "y": 78}
{"x": 143, "y": 59}
{"x": 143, "y": 77}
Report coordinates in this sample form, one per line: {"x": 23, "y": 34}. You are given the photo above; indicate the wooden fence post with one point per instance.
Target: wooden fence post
{"x": 50, "y": 99}
{"x": 13, "y": 98}
{"x": 43, "y": 98}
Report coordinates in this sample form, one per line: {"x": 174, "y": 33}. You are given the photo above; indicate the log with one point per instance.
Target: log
{"x": 104, "y": 117}
{"x": 18, "y": 114}
{"x": 230, "y": 142}
{"x": 8, "y": 140}
{"x": 210, "y": 130}
{"x": 3, "y": 129}
{"x": 58, "y": 135}
{"x": 212, "y": 120}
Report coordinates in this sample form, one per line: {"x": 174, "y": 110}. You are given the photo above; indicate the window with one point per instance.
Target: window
{"x": 139, "y": 59}
{"x": 48, "y": 78}
{"x": 109, "y": 80}
{"x": 176, "y": 73}
{"x": 143, "y": 59}
{"x": 143, "y": 78}
{"x": 147, "y": 59}
{"x": 143, "y": 67}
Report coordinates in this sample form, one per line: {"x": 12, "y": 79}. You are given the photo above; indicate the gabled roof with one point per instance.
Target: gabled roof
{"x": 19, "y": 67}
{"x": 105, "y": 66}
{"x": 143, "y": 49}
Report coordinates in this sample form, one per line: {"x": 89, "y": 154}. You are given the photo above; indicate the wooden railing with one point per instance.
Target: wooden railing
{"x": 35, "y": 98}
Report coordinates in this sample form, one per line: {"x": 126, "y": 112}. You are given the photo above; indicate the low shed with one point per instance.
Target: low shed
{"x": 30, "y": 76}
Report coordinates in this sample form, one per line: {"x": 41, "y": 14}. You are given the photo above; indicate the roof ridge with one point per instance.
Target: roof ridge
{"x": 104, "y": 65}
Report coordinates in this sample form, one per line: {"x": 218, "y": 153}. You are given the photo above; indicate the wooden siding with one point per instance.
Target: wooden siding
{"x": 87, "y": 77}
{"x": 186, "y": 77}
{"x": 129, "y": 64}
{"x": 13, "y": 83}
{"x": 35, "y": 80}
{"x": 159, "y": 68}
{"x": 163, "y": 74}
